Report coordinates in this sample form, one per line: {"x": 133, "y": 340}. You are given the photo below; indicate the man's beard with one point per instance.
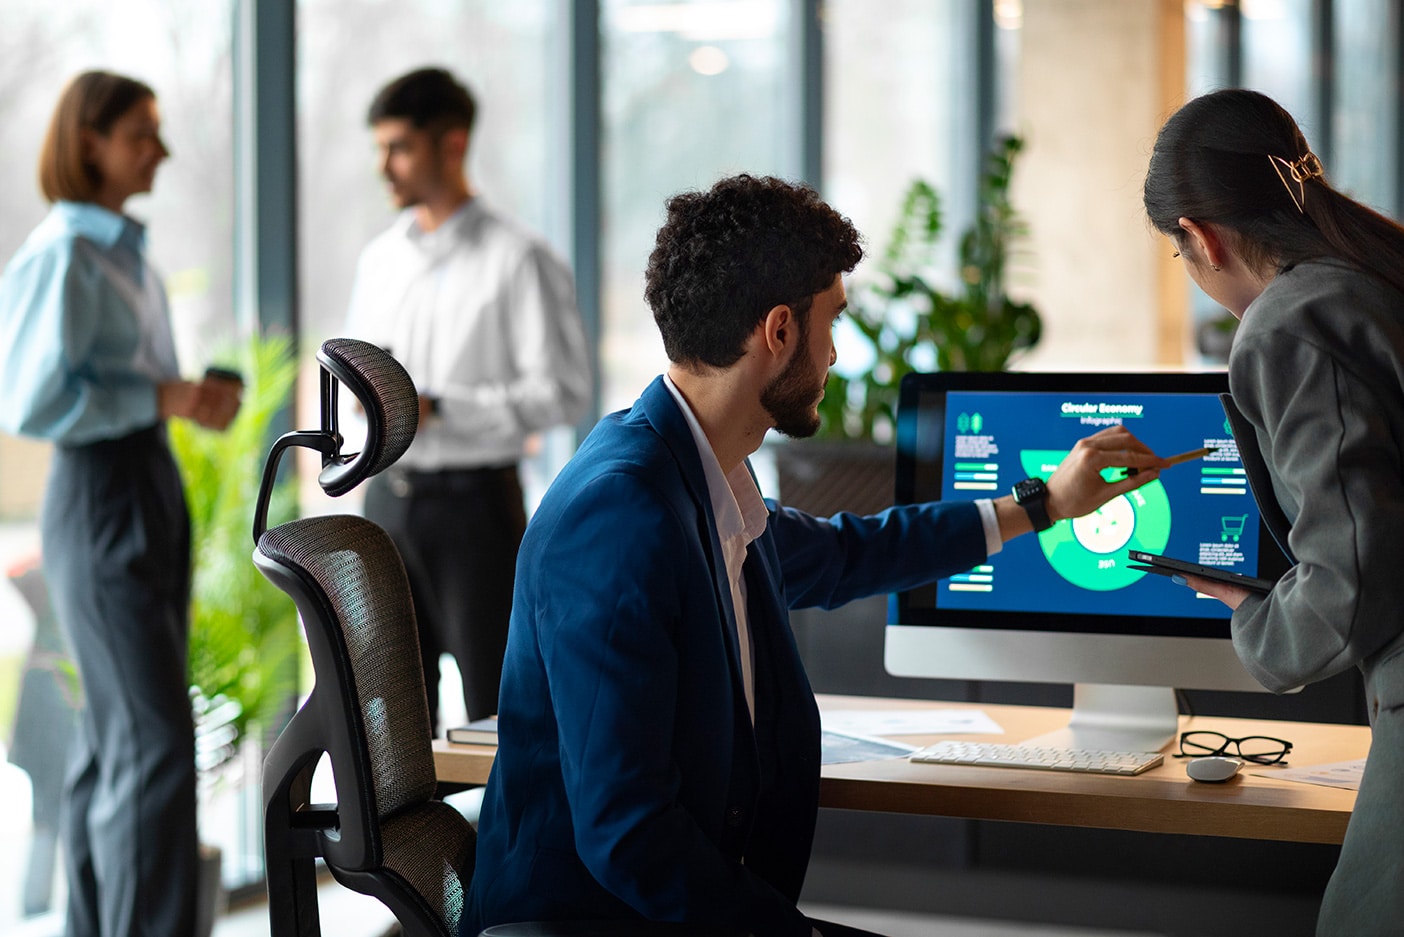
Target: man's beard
{"x": 791, "y": 395}
{"x": 404, "y": 196}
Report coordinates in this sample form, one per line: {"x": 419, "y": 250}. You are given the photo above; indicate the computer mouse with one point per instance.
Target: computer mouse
{"x": 1213, "y": 769}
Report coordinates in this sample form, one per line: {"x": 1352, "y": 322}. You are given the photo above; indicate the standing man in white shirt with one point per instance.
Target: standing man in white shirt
{"x": 482, "y": 314}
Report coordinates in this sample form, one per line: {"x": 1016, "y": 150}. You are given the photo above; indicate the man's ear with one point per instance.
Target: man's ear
{"x": 779, "y": 330}
{"x": 453, "y": 145}
{"x": 1208, "y": 243}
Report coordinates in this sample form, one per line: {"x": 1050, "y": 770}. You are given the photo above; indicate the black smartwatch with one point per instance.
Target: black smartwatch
{"x": 1031, "y": 494}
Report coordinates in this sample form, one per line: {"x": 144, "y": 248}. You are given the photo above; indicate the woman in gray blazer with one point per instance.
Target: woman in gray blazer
{"x": 1317, "y": 367}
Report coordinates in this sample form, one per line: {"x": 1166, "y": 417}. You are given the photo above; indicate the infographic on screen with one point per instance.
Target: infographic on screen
{"x": 1199, "y": 510}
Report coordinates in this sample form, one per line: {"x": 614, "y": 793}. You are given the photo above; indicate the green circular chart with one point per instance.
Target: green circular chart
{"x": 1090, "y": 551}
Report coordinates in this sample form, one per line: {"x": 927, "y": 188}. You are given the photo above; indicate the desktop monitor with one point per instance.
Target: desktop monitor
{"x": 1064, "y": 605}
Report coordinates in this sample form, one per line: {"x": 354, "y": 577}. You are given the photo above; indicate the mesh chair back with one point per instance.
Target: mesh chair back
{"x": 391, "y": 838}
{"x": 370, "y": 655}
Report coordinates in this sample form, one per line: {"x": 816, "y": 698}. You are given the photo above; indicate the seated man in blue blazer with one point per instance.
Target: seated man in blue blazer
{"x": 659, "y": 741}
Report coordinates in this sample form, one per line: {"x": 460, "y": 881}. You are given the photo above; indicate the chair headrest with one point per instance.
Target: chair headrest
{"x": 388, "y": 397}
{"x": 391, "y": 404}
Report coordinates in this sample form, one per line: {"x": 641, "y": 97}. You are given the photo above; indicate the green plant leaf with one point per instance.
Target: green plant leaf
{"x": 243, "y": 630}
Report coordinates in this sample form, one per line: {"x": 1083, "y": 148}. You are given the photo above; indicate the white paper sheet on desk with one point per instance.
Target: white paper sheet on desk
{"x": 839, "y": 748}
{"x": 909, "y": 721}
{"x": 1345, "y": 774}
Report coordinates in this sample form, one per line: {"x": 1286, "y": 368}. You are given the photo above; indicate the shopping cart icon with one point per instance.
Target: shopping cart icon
{"x": 1233, "y": 527}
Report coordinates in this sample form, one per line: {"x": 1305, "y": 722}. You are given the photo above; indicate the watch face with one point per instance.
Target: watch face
{"x": 1028, "y": 489}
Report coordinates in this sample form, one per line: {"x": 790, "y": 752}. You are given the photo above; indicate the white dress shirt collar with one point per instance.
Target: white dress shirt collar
{"x": 736, "y": 501}
{"x": 438, "y": 241}
{"x": 741, "y": 517}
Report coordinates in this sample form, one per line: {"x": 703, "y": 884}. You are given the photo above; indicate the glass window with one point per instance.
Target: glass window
{"x": 1365, "y": 121}
{"x": 886, "y": 126}
{"x": 1277, "y": 56}
{"x": 899, "y": 106}
{"x": 1208, "y": 41}
{"x": 692, "y": 91}
{"x": 183, "y": 51}
{"x": 1009, "y": 29}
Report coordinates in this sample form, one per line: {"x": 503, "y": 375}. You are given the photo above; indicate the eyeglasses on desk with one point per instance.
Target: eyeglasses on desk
{"x": 1259, "y": 749}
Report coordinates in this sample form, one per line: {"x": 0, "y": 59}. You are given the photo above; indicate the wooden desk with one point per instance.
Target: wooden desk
{"x": 462, "y": 764}
{"x": 1255, "y": 805}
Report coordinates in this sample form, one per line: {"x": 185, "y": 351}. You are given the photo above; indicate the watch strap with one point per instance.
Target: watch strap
{"x": 1031, "y": 494}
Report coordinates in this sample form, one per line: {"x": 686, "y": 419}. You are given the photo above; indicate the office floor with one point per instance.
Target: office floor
{"x": 350, "y": 915}
{"x": 347, "y": 914}
{"x": 344, "y": 914}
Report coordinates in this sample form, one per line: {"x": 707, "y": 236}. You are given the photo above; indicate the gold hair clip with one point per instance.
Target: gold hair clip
{"x": 1306, "y": 167}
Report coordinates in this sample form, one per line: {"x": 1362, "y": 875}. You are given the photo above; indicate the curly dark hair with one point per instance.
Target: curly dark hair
{"x": 726, "y": 256}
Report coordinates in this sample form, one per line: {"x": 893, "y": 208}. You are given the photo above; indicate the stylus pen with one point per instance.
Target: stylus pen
{"x": 1182, "y": 457}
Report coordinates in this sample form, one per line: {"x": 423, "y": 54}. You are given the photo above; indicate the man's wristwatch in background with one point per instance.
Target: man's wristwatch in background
{"x": 1031, "y": 494}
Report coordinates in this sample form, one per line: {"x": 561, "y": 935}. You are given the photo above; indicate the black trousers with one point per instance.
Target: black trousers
{"x": 458, "y": 532}
{"x": 116, "y": 542}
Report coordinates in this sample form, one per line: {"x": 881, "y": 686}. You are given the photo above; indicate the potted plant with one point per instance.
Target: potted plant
{"x": 243, "y": 631}
{"x": 908, "y": 319}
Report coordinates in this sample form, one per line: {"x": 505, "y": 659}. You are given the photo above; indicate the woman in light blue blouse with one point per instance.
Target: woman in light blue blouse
{"x": 87, "y": 362}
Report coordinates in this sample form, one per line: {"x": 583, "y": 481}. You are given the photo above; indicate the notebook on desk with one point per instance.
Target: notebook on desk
{"x": 477, "y": 732}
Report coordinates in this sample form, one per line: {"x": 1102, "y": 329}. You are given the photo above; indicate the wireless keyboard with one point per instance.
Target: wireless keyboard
{"x": 991, "y": 754}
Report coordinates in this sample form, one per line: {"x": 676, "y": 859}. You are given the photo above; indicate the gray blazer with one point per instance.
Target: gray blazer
{"x": 1318, "y": 368}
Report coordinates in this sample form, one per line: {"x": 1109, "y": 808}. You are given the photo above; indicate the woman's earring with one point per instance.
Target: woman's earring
{"x": 1215, "y": 267}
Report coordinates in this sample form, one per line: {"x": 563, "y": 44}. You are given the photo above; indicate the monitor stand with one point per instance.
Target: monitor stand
{"x": 1110, "y": 718}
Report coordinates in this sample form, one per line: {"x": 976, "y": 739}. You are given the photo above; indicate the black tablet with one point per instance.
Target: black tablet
{"x": 1169, "y": 566}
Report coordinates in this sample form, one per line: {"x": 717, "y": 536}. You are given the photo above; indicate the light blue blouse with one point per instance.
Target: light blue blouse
{"x": 85, "y": 331}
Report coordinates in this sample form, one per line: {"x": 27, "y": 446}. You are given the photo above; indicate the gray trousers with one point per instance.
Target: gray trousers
{"x": 1365, "y": 896}
{"x": 116, "y": 544}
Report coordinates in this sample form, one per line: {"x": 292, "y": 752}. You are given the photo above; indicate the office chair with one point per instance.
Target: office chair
{"x": 387, "y": 836}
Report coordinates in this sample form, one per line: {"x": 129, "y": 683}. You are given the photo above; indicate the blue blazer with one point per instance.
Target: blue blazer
{"x": 629, "y": 780}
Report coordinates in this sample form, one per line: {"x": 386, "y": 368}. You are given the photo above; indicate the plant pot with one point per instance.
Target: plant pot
{"x": 211, "y": 900}
{"x": 824, "y": 477}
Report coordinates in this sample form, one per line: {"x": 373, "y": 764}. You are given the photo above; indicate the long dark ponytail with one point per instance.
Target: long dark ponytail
{"x": 1228, "y": 157}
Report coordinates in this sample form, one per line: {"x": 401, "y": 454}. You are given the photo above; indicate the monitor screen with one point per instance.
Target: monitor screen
{"x": 1066, "y": 605}
{"x": 967, "y": 436}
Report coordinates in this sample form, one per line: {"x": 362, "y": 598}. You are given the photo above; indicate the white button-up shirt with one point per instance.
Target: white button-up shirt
{"x": 482, "y": 315}
{"x": 741, "y": 517}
